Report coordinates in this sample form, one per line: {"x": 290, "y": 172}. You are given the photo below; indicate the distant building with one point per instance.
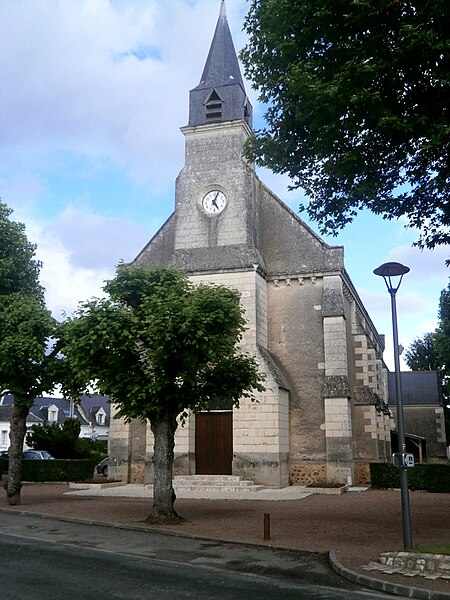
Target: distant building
{"x": 93, "y": 412}
{"x": 423, "y": 415}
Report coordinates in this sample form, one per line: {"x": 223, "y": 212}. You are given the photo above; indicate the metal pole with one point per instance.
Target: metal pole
{"x": 406, "y": 515}
{"x": 266, "y": 526}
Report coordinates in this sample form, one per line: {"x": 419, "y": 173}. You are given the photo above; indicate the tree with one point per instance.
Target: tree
{"x": 421, "y": 355}
{"x": 358, "y": 115}
{"x": 432, "y": 352}
{"x": 27, "y": 369}
{"x": 27, "y": 362}
{"x": 19, "y": 270}
{"x": 158, "y": 347}
{"x": 60, "y": 440}
{"x": 442, "y": 342}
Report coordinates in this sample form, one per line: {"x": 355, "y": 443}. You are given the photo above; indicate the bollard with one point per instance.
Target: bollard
{"x": 266, "y": 526}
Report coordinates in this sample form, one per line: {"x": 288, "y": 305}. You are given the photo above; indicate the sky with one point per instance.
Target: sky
{"x": 93, "y": 96}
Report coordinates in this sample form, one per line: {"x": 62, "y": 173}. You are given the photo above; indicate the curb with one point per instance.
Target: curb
{"x": 366, "y": 581}
{"x": 384, "y": 586}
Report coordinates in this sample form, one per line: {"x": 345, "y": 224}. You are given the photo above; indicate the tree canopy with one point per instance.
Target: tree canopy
{"x": 159, "y": 346}
{"x": 60, "y": 440}
{"x": 26, "y": 360}
{"x": 19, "y": 269}
{"x": 442, "y": 337}
{"x": 358, "y": 95}
{"x": 432, "y": 352}
{"x": 421, "y": 355}
{"x": 28, "y": 365}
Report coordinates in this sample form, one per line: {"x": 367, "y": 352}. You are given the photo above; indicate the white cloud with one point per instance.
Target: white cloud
{"x": 79, "y": 251}
{"x": 98, "y": 86}
{"x": 95, "y": 241}
{"x": 77, "y": 81}
{"x": 426, "y": 266}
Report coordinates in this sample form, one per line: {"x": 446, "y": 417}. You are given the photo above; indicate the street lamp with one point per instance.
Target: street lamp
{"x": 389, "y": 271}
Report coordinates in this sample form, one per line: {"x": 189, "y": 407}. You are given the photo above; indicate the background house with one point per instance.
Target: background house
{"x": 423, "y": 415}
{"x": 93, "y": 412}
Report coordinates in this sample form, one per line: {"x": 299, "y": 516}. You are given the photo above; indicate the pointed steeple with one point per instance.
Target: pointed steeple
{"x": 220, "y": 95}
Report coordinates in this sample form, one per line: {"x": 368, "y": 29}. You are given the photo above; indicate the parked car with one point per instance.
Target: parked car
{"x": 37, "y": 455}
{"x": 102, "y": 467}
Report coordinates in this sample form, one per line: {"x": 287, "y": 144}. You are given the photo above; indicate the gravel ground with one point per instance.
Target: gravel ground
{"x": 358, "y": 525}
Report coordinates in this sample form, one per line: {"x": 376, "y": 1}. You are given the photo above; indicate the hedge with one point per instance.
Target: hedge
{"x": 54, "y": 470}
{"x": 426, "y": 477}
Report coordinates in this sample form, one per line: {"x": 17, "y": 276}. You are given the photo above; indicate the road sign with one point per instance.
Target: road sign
{"x": 408, "y": 460}
{"x": 404, "y": 459}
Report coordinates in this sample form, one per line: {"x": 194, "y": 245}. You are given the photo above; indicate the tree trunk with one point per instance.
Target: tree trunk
{"x": 163, "y": 429}
{"x": 17, "y": 436}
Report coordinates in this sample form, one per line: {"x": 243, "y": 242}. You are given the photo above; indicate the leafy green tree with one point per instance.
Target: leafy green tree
{"x": 27, "y": 369}
{"x": 27, "y": 358}
{"x": 442, "y": 340}
{"x": 158, "y": 347}
{"x": 64, "y": 441}
{"x": 19, "y": 270}
{"x": 432, "y": 352}
{"x": 60, "y": 440}
{"x": 358, "y": 95}
{"x": 421, "y": 355}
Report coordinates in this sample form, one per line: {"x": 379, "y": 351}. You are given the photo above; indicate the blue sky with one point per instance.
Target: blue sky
{"x": 93, "y": 95}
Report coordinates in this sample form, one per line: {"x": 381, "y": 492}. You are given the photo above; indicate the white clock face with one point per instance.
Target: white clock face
{"x": 214, "y": 202}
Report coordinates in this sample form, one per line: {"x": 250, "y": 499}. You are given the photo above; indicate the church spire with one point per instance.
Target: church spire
{"x": 220, "y": 95}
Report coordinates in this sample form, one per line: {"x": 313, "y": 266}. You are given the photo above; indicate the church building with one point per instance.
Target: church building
{"x": 324, "y": 414}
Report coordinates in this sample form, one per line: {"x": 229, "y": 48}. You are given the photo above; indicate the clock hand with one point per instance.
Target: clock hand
{"x": 214, "y": 201}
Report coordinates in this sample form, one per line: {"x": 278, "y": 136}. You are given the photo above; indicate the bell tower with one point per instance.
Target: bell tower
{"x": 214, "y": 236}
{"x": 220, "y": 96}
{"x": 216, "y": 190}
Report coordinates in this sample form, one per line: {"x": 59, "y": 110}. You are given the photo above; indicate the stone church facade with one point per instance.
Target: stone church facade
{"x": 324, "y": 413}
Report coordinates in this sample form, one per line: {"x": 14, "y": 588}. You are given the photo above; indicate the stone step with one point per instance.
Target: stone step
{"x": 214, "y": 483}
{"x": 202, "y": 484}
{"x": 210, "y": 478}
{"x": 218, "y": 488}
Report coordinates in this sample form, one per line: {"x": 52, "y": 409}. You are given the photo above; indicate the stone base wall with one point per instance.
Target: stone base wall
{"x": 362, "y": 473}
{"x": 304, "y": 474}
{"x": 270, "y": 469}
{"x": 136, "y": 472}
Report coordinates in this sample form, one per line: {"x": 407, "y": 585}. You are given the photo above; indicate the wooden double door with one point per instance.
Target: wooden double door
{"x": 214, "y": 443}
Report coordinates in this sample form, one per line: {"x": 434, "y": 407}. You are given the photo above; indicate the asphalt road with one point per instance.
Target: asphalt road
{"x": 46, "y": 558}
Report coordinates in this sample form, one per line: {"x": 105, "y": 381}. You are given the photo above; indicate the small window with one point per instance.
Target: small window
{"x": 214, "y": 107}
{"x": 52, "y": 416}
{"x": 4, "y": 438}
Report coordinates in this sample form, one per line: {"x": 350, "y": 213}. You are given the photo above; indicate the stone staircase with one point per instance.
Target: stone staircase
{"x": 214, "y": 483}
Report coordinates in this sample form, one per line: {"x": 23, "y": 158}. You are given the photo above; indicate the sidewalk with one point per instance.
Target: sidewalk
{"x": 358, "y": 525}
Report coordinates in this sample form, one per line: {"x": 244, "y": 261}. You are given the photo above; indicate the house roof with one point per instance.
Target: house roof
{"x": 418, "y": 388}
{"x": 85, "y": 410}
{"x": 6, "y": 414}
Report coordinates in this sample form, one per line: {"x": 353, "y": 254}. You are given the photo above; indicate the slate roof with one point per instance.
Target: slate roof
{"x": 221, "y": 82}
{"x": 418, "y": 388}
{"x": 222, "y": 66}
{"x": 6, "y": 414}
{"x": 39, "y": 411}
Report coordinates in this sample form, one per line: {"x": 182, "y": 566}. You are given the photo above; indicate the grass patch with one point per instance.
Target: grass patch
{"x": 439, "y": 549}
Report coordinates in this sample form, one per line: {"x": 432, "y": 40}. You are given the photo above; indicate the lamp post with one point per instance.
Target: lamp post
{"x": 389, "y": 271}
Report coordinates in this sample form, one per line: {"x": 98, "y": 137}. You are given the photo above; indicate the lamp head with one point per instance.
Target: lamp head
{"x": 389, "y": 270}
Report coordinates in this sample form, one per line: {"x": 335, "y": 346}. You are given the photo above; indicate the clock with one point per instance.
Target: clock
{"x": 214, "y": 202}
